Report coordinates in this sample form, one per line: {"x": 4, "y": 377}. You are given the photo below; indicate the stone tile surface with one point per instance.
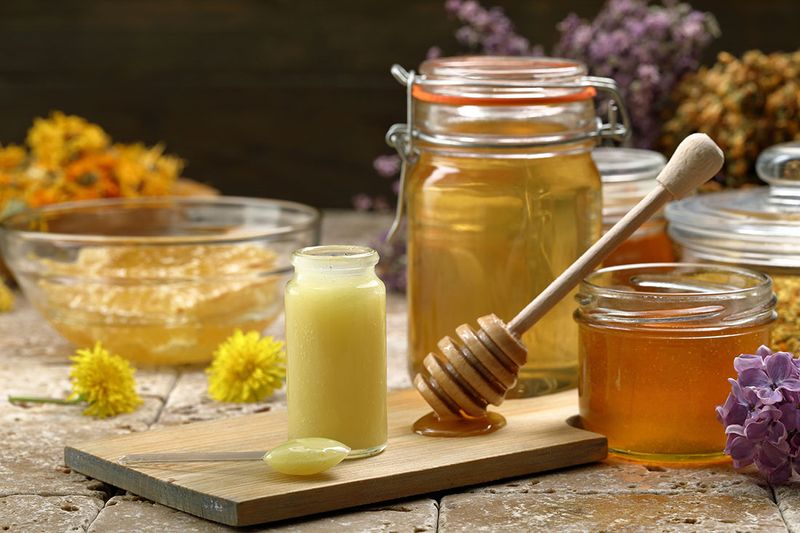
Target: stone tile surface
{"x": 571, "y": 512}
{"x": 620, "y": 477}
{"x": 26, "y": 336}
{"x": 130, "y": 514}
{"x": 788, "y": 498}
{"x": 47, "y": 514}
{"x": 32, "y": 455}
{"x": 415, "y": 516}
{"x": 189, "y": 402}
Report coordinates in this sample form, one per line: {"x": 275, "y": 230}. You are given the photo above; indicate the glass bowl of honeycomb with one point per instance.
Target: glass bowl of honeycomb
{"x": 157, "y": 280}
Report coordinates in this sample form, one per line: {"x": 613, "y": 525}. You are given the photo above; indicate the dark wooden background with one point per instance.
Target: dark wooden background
{"x": 275, "y": 98}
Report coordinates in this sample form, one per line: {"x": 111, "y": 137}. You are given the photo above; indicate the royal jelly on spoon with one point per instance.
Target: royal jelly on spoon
{"x": 298, "y": 457}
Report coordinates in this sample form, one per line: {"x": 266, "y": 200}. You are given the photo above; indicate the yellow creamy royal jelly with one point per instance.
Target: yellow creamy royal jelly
{"x": 336, "y": 348}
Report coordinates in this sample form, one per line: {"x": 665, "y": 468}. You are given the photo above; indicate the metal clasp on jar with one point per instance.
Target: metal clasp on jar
{"x": 402, "y": 136}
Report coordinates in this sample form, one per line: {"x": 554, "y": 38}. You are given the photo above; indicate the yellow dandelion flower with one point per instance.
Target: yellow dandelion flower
{"x": 246, "y": 368}
{"x": 6, "y": 298}
{"x": 105, "y": 381}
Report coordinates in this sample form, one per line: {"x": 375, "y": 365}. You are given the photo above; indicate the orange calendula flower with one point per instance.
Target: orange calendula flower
{"x": 12, "y": 156}
{"x": 60, "y": 138}
{"x": 92, "y": 176}
{"x": 73, "y": 159}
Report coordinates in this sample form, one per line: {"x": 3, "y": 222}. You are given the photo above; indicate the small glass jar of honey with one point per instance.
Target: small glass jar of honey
{"x": 657, "y": 344}
{"x": 628, "y": 175}
{"x": 502, "y": 195}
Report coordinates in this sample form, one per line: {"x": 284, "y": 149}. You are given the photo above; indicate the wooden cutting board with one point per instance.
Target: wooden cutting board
{"x": 537, "y": 438}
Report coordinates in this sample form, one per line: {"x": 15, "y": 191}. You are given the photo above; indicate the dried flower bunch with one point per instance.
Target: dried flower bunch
{"x": 69, "y": 158}
{"x": 646, "y": 48}
{"x": 761, "y": 414}
{"x": 786, "y": 332}
{"x": 746, "y": 104}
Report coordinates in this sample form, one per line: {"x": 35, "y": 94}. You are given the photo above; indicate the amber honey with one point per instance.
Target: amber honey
{"x": 649, "y": 245}
{"x": 655, "y": 393}
{"x": 486, "y": 234}
{"x": 502, "y": 195}
{"x": 628, "y": 175}
{"x": 657, "y": 345}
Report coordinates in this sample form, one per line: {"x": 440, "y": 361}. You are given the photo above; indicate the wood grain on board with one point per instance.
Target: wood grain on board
{"x": 537, "y": 438}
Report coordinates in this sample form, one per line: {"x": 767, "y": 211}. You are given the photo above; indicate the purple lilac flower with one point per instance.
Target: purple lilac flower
{"x": 769, "y": 376}
{"x": 645, "y": 48}
{"x": 362, "y": 202}
{"x": 762, "y": 414}
{"x": 487, "y": 31}
{"x": 365, "y": 202}
{"x": 392, "y": 265}
{"x": 387, "y": 166}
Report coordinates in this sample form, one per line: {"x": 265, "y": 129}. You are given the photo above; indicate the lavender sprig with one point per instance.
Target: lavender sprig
{"x": 488, "y": 31}
{"x": 646, "y": 48}
{"x": 762, "y": 414}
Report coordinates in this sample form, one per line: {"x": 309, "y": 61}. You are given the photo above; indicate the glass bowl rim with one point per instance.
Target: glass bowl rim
{"x": 29, "y": 215}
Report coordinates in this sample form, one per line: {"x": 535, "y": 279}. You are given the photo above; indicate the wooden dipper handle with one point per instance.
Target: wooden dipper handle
{"x": 467, "y": 378}
{"x": 696, "y": 160}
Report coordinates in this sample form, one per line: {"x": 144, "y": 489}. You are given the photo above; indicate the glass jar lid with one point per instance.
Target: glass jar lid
{"x": 756, "y": 226}
{"x": 779, "y": 165}
{"x": 476, "y": 80}
{"x": 628, "y": 175}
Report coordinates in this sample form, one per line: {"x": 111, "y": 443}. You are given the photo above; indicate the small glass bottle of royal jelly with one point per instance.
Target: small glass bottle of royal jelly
{"x": 657, "y": 344}
{"x": 336, "y": 348}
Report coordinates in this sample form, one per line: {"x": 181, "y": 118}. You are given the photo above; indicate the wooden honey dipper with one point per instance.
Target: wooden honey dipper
{"x": 461, "y": 382}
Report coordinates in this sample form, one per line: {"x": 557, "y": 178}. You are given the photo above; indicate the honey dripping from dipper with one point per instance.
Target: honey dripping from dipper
{"x": 462, "y": 381}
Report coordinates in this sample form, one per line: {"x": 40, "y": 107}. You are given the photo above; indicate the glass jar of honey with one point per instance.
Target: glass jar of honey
{"x": 502, "y": 195}
{"x": 628, "y": 175}
{"x": 657, "y": 344}
{"x": 757, "y": 228}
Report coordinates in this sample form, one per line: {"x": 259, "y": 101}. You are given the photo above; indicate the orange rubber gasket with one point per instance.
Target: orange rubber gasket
{"x": 425, "y": 96}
